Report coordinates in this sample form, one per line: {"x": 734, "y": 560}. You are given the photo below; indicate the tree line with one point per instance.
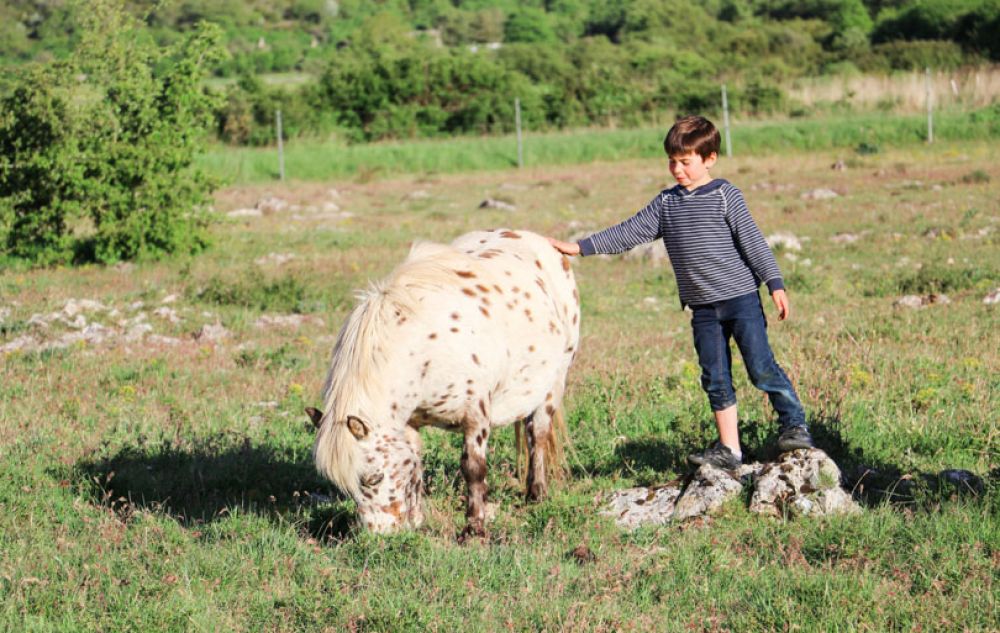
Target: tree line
{"x": 418, "y": 68}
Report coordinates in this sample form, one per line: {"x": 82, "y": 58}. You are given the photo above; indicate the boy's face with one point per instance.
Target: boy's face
{"x": 691, "y": 170}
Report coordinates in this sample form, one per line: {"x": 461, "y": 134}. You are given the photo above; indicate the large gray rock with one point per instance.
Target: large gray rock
{"x": 709, "y": 490}
{"x": 633, "y": 507}
{"x": 801, "y": 483}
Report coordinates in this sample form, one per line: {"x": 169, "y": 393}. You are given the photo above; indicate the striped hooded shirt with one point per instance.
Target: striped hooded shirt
{"x": 716, "y": 250}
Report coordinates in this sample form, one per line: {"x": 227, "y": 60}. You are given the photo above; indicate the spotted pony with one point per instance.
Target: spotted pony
{"x": 466, "y": 337}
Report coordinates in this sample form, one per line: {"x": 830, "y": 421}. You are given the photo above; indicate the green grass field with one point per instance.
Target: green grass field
{"x": 324, "y": 160}
{"x": 166, "y": 484}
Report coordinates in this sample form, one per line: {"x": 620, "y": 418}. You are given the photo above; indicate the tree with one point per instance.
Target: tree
{"x": 108, "y": 136}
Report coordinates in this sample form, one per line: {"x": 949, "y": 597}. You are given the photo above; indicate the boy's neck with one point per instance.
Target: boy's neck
{"x": 701, "y": 183}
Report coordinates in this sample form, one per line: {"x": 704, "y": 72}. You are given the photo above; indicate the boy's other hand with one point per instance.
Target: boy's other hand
{"x": 781, "y": 302}
{"x": 566, "y": 248}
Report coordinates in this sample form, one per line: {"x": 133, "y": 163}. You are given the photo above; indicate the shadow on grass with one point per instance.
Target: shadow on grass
{"x": 199, "y": 482}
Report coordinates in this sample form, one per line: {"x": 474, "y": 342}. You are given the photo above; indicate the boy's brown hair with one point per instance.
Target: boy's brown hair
{"x": 692, "y": 134}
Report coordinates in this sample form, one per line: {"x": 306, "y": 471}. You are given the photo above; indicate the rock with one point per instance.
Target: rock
{"x": 137, "y": 332}
{"x": 417, "y": 194}
{"x": 820, "y": 194}
{"x": 583, "y": 554}
{"x": 784, "y": 240}
{"x": 169, "y": 299}
{"x": 271, "y": 204}
{"x": 212, "y": 332}
{"x": 156, "y": 339}
{"x": 244, "y": 213}
{"x": 653, "y": 252}
{"x": 276, "y": 259}
{"x": 992, "y": 298}
{"x": 286, "y": 320}
{"x": 21, "y": 343}
{"x": 917, "y": 301}
{"x": 633, "y": 507}
{"x": 839, "y": 166}
{"x": 492, "y": 203}
{"x": 74, "y": 307}
{"x": 167, "y": 313}
{"x": 844, "y": 238}
{"x": 804, "y": 482}
{"x": 709, "y": 489}
{"x": 909, "y": 301}
{"x": 963, "y": 481}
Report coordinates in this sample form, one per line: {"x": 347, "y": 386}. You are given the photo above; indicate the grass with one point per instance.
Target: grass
{"x": 165, "y": 487}
{"x": 309, "y": 160}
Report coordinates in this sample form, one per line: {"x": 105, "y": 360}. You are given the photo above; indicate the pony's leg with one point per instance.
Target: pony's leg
{"x": 414, "y": 488}
{"x": 474, "y": 470}
{"x": 538, "y": 429}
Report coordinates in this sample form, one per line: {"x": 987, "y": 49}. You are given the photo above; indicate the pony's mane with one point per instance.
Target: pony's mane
{"x": 354, "y": 384}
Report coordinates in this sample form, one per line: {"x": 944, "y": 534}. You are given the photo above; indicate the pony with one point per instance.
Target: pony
{"x": 466, "y": 337}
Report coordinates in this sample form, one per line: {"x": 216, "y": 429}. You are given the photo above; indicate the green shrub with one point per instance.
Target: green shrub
{"x": 105, "y": 140}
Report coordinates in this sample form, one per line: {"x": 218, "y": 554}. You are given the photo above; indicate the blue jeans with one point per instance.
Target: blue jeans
{"x": 741, "y": 318}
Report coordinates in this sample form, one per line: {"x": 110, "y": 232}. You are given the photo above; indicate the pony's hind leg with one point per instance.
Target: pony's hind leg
{"x": 543, "y": 438}
{"x": 474, "y": 469}
{"x": 536, "y": 432}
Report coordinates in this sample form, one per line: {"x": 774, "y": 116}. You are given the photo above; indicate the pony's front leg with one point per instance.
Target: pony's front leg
{"x": 474, "y": 470}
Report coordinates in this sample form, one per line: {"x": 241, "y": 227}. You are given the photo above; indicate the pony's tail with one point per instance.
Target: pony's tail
{"x": 556, "y": 446}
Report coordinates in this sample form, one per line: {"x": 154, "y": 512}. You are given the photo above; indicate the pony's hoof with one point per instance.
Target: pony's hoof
{"x": 536, "y": 493}
{"x": 471, "y": 531}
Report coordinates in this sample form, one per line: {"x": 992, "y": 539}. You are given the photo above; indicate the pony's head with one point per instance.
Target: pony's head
{"x": 380, "y": 469}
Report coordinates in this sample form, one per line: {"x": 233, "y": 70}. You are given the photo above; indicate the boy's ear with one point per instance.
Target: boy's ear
{"x": 710, "y": 160}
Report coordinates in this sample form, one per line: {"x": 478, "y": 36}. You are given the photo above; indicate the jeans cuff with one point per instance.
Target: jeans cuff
{"x": 724, "y": 405}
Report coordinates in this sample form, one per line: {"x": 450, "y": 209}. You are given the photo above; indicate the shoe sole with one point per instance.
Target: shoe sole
{"x": 794, "y": 446}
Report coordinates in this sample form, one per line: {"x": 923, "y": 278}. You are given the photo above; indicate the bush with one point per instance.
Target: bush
{"x": 107, "y": 136}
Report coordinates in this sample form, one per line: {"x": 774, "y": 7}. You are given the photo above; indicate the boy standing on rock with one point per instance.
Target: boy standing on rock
{"x": 719, "y": 258}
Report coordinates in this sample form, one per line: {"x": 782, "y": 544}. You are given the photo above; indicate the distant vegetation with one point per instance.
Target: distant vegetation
{"x": 426, "y": 68}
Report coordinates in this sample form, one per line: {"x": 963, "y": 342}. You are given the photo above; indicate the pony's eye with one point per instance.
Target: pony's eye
{"x": 371, "y": 480}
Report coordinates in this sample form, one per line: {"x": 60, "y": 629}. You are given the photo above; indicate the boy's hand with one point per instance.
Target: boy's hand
{"x": 566, "y": 248}
{"x": 781, "y": 302}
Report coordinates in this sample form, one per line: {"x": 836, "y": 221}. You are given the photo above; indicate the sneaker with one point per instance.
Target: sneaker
{"x": 717, "y": 455}
{"x": 794, "y": 437}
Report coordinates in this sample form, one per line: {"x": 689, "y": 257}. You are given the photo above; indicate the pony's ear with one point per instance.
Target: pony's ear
{"x": 315, "y": 415}
{"x": 357, "y": 427}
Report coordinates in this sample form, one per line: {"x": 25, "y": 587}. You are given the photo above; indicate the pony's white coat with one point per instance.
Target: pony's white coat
{"x": 465, "y": 336}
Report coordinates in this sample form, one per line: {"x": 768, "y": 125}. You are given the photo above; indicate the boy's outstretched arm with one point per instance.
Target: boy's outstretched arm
{"x": 566, "y": 248}
{"x": 781, "y": 302}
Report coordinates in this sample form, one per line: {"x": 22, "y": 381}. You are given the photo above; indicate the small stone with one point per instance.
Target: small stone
{"x": 653, "y": 252}
{"x": 271, "y": 204}
{"x": 909, "y": 301}
{"x": 212, "y": 332}
{"x": 784, "y": 240}
{"x": 844, "y": 238}
{"x": 992, "y": 298}
{"x": 492, "y": 203}
{"x": 820, "y": 194}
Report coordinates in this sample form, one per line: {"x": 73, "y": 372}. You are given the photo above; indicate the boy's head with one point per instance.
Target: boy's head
{"x": 692, "y": 134}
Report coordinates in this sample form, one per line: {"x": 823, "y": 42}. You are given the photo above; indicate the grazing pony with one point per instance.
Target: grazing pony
{"x": 466, "y": 337}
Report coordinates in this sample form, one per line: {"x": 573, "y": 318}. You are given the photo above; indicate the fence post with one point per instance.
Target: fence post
{"x": 725, "y": 122}
{"x": 517, "y": 123}
{"x": 930, "y": 107}
{"x": 281, "y": 148}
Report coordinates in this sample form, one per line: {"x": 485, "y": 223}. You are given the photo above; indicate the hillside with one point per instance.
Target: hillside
{"x": 396, "y": 69}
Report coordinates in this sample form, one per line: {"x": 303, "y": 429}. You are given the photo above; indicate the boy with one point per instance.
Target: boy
{"x": 719, "y": 258}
